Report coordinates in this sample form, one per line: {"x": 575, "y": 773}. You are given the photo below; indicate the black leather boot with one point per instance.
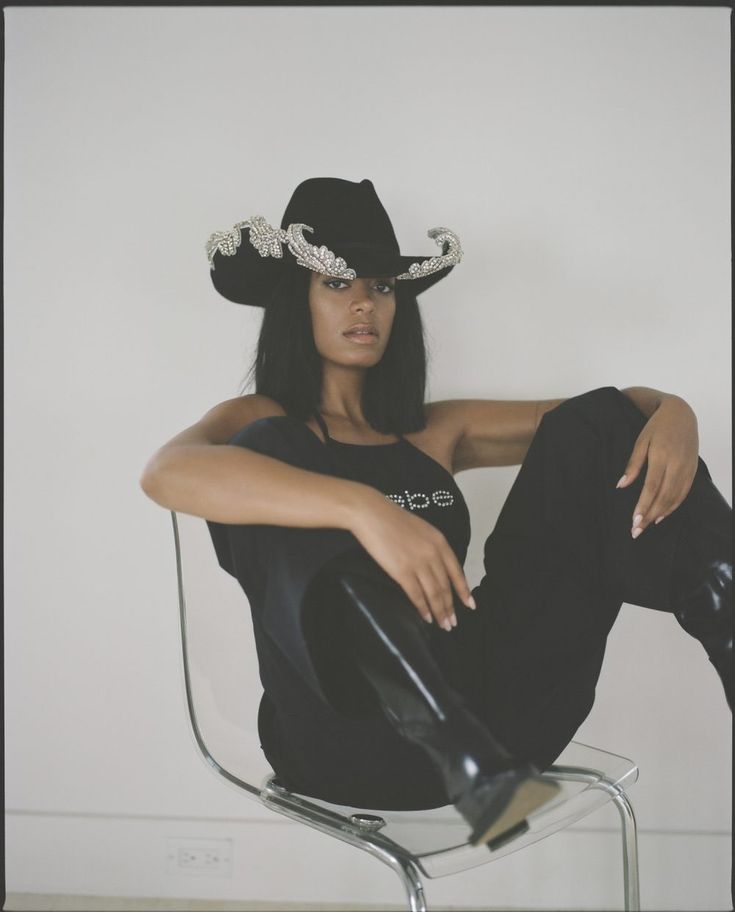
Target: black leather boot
{"x": 491, "y": 789}
{"x": 706, "y": 614}
{"x": 701, "y": 590}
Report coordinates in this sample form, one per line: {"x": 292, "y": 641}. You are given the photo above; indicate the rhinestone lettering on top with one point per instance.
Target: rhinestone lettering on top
{"x": 412, "y": 500}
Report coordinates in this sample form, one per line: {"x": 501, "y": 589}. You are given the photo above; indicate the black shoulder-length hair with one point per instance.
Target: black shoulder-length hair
{"x": 288, "y": 367}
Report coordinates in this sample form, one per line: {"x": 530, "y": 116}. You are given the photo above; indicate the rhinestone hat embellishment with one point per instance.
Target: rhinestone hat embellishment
{"x": 265, "y": 238}
{"x": 268, "y": 241}
{"x": 434, "y": 264}
{"x": 320, "y": 259}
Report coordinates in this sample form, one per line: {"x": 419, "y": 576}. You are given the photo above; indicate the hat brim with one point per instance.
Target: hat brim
{"x": 248, "y": 278}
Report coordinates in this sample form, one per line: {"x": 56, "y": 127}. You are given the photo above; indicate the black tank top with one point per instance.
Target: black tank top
{"x": 320, "y": 751}
{"x": 410, "y": 478}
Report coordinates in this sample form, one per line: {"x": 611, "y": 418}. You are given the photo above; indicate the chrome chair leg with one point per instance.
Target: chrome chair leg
{"x": 630, "y": 853}
{"x": 278, "y": 799}
{"x": 409, "y": 875}
{"x": 631, "y": 885}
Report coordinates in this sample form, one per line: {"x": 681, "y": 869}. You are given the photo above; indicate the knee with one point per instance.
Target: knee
{"x": 595, "y": 408}
{"x": 598, "y": 396}
{"x": 597, "y": 401}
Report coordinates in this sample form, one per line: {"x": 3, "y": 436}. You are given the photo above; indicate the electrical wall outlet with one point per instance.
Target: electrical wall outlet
{"x": 186, "y": 855}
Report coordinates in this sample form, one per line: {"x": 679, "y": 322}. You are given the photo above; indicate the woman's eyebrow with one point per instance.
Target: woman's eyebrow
{"x": 381, "y": 278}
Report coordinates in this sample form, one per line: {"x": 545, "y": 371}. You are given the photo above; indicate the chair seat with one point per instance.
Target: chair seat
{"x": 436, "y": 839}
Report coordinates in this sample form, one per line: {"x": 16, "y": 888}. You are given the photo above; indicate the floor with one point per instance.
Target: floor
{"x": 39, "y": 902}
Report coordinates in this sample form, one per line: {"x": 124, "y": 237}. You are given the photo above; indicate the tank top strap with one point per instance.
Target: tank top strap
{"x": 323, "y": 425}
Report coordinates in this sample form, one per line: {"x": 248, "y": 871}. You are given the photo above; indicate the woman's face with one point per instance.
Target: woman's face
{"x": 338, "y": 304}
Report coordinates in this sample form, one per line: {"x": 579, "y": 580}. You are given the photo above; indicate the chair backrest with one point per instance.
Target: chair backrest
{"x": 220, "y": 665}
{"x": 223, "y": 691}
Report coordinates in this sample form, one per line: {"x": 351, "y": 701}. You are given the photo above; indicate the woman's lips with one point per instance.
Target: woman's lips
{"x": 361, "y": 338}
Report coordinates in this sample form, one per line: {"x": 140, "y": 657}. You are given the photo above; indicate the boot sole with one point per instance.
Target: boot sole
{"x": 530, "y": 794}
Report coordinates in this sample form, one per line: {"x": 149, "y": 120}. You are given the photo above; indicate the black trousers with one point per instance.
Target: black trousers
{"x": 558, "y": 565}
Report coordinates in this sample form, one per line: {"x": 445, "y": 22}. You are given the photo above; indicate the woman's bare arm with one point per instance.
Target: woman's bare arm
{"x": 197, "y": 473}
{"x": 646, "y": 399}
{"x": 497, "y": 432}
{"x": 493, "y": 432}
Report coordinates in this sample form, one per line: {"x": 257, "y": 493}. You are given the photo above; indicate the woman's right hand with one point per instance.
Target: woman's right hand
{"x": 415, "y": 554}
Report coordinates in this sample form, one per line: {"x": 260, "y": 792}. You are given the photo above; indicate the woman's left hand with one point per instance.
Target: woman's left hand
{"x": 670, "y": 443}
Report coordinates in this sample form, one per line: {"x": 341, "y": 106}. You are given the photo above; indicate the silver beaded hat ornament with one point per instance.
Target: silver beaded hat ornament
{"x": 354, "y": 237}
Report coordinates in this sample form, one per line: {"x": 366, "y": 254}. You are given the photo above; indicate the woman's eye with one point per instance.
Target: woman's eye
{"x": 386, "y": 286}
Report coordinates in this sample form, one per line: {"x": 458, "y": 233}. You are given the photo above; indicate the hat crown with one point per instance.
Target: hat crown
{"x": 331, "y": 226}
{"x": 342, "y": 213}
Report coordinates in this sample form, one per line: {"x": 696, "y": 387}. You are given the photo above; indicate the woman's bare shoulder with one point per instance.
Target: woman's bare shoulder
{"x": 225, "y": 419}
{"x": 230, "y": 416}
{"x": 254, "y": 406}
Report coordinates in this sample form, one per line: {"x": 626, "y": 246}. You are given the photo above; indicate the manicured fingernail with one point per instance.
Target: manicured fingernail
{"x": 471, "y": 603}
{"x": 658, "y": 520}
{"x": 622, "y": 479}
{"x": 428, "y": 618}
{"x": 637, "y": 519}
{"x": 446, "y": 625}
{"x": 453, "y": 619}
{"x": 636, "y": 532}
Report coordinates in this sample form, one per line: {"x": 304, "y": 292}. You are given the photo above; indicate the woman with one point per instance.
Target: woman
{"x": 330, "y": 496}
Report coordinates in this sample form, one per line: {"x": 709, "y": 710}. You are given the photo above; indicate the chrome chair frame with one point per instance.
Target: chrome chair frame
{"x": 361, "y": 829}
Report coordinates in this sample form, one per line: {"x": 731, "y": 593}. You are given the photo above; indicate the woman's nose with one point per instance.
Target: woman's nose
{"x": 362, "y": 299}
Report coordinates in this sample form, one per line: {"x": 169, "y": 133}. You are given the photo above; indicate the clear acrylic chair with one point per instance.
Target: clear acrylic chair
{"x": 223, "y": 690}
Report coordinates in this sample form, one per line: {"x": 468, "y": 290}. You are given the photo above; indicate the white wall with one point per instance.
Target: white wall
{"x": 582, "y": 155}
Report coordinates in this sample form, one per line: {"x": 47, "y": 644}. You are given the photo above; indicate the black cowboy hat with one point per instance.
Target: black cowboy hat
{"x": 349, "y": 235}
